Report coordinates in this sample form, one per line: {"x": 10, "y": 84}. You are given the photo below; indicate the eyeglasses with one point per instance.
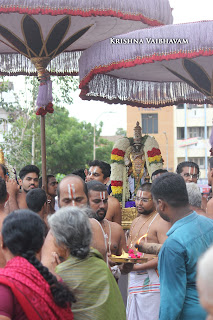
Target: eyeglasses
{"x": 143, "y": 199}
{"x": 193, "y": 176}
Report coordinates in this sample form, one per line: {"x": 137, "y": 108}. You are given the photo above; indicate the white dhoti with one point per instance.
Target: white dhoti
{"x": 143, "y": 295}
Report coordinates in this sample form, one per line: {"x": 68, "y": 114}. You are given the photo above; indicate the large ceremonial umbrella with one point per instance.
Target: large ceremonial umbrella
{"x": 42, "y": 30}
{"x": 153, "y": 67}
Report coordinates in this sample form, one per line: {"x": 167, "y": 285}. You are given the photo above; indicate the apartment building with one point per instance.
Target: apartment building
{"x": 182, "y": 132}
{"x": 192, "y": 129}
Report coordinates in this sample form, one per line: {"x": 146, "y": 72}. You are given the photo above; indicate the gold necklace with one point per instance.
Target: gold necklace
{"x": 130, "y": 235}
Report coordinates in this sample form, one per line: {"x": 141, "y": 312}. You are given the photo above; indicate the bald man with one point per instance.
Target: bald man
{"x": 72, "y": 191}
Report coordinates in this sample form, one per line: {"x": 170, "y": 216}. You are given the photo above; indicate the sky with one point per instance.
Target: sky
{"x": 114, "y": 116}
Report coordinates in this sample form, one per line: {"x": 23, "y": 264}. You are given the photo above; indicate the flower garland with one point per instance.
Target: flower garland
{"x": 42, "y": 111}
{"x": 117, "y": 155}
{"x": 117, "y": 158}
{"x": 154, "y": 156}
{"x": 121, "y": 151}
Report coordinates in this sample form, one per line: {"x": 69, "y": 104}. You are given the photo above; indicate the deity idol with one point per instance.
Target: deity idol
{"x": 133, "y": 162}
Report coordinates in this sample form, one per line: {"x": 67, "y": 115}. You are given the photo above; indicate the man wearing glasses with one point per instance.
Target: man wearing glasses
{"x": 190, "y": 172}
{"x": 144, "y": 287}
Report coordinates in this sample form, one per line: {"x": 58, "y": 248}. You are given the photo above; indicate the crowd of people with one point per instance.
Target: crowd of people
{"x": 57, "y": 246}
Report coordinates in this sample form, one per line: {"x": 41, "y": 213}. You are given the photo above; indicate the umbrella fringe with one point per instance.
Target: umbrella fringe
{"x": 64, "y": 64}
{"x": 140, "y": 93}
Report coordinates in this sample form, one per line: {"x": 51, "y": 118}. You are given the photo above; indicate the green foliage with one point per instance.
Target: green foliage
{"x": 59, "y": 177}
{"x": 120, "y": 132}
{"x": 12, "y": 108}
{"x": 103, "y": 152}
{"x": 63, "y": 88}
{"x": 69, "y": 143}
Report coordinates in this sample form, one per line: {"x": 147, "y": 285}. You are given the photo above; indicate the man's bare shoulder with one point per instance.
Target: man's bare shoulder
{"x": 95, "y": 226}
{"x": 115, "y": 226}
{"x": 161, "y": 224}
{"x": 114, "y": 210}
{"x": 113, "y": 201}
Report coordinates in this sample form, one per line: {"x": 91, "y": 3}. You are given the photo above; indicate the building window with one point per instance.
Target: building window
{"x": 180, "y": 106}
{"x": 200, "y": 162}
{"x": 196, "y": 132}
{"x": 209, "y": 131}
{"x": 180, "y": 133}
{"x": 150, "y": 123}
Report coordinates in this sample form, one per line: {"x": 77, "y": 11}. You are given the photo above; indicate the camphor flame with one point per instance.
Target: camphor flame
{"x": 144, "y": 236}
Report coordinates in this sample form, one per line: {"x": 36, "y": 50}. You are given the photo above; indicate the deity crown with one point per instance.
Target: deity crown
{"x": 137, "y": 133}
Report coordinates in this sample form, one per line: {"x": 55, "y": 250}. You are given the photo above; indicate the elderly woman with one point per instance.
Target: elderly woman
{"x": 27, "y": 289}
{"x": 195, "y": 197}
{"x": 84, "y": 270}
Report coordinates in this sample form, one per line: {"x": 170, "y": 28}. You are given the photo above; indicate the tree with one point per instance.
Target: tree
{"x": 120, "y": 132}
{"x": 103, "y": 152}
{"x": 69, "y": 143}
{"x": 13, "y": 108}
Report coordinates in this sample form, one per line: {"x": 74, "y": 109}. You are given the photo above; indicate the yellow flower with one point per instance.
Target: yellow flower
{"x": 116, "y": 158}
{"x": 116, "y": 190}
{"x": 155, "y": 158}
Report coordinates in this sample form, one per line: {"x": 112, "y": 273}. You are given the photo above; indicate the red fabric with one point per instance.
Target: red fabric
{"x": 9, "y": 306}
{"x": 82, "y": 13}
{"x": 32, "y": 291}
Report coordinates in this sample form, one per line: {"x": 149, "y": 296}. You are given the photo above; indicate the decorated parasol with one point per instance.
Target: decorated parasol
{"x": 152, "y": 67}
{"x": 47, "y": 37}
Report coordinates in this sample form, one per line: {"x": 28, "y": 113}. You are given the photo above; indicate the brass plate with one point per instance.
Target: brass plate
{"x": 128, "y": 260}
